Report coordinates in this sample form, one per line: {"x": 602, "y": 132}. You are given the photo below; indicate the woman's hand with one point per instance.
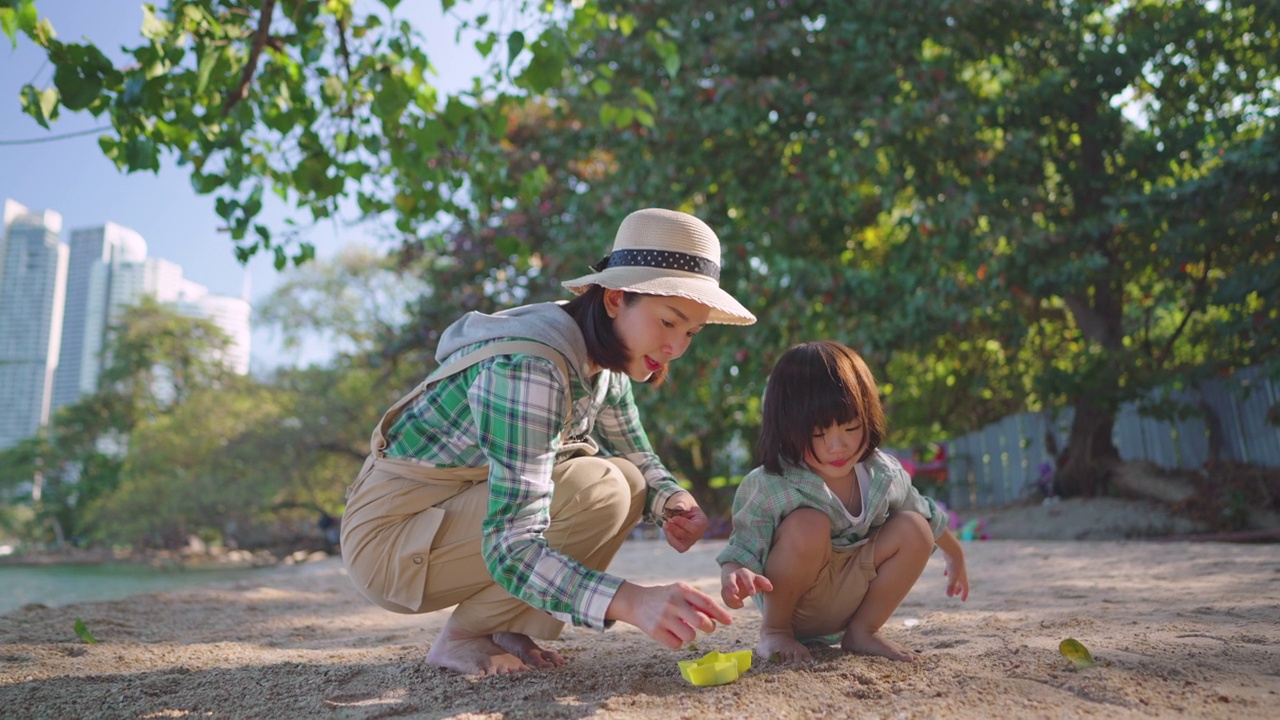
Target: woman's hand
{"x": 738, "y": 583}
{"x": 684, "y": 523}
{"x": 671, "y": 614}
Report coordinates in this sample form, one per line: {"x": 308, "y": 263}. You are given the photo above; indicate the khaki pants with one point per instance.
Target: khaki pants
{"x": 411, "y": 536}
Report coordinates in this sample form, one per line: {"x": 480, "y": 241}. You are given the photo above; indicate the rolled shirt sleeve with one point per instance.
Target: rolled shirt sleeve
{"x": 518, "y": 405}
{"x": 621, "y": 434}
{"x": 904, "y": 496}
{"x": 756, "y": 514}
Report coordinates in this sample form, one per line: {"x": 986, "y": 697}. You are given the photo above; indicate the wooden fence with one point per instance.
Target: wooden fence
{"x": 1004, "y": 462}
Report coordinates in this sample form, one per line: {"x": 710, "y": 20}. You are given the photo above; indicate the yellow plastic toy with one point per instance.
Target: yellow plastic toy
{"x": 716, "y": 668}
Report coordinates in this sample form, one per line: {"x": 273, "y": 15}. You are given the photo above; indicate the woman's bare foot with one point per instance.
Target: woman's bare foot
{"x": 782, "y": 647}
{"x": 523, "y": 647}
{"x": 865, "y": 643}
{"x": 472, "y": 654}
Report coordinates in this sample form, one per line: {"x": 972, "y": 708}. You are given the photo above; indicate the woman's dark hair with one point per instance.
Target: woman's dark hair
{"x": 603, "y": 345}
{"x": 816, "y": 385}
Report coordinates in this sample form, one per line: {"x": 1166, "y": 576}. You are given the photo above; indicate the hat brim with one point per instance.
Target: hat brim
{"x": 725, "y": 310}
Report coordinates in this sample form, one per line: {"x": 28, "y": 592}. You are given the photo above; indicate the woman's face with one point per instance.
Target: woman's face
{"x": 655, "y": 329}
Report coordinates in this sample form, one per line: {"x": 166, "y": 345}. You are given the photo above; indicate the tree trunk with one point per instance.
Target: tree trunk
{"x": 1213, "y": 427}
{"x": 1090, "y": 453}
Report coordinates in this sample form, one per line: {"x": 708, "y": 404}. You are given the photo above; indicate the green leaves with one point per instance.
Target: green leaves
{"x": 22, "y": 16}
{"x": 515, "y": 44}
{"x": 1077, "y": 653}
{"x": 40, "y": 104}
{"x": 153, "y": 28}
{"x": 82, "y": 632}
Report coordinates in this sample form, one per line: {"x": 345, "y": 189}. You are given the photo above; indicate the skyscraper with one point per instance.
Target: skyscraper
{"x": 33, "y": 278}
{"x": 95, "y": 253}
{"x": 109, "y": 272}
{"x": 231, "y": 315}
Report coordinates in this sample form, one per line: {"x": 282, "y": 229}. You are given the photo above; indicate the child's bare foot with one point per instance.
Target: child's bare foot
{"x": 472, "y": 654}
{"x": 782, "y": 647}
{"x": 865, "y": 643}
{"x": 523, "y": 647}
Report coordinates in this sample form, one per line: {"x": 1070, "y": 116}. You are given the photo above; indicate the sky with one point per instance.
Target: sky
{"x": 73, "y": 178}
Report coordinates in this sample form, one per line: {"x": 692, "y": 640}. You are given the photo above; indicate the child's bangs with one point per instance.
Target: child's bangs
{"x": 830, "y": 405}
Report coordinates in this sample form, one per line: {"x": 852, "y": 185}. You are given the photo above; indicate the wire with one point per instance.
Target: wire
{"x": 51, "y": 138}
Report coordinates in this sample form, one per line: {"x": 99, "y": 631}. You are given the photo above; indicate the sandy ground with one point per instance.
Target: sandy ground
{"x": 1178, "y": 630}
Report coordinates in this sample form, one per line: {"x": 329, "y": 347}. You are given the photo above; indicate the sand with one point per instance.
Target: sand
{"x": 1185, "y": 629}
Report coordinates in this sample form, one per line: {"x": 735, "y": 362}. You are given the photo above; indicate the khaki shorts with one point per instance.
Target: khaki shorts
{"x": 842, "y": 583}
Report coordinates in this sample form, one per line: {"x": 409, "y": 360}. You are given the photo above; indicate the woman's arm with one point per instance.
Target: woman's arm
{"x": 518, "y": 405}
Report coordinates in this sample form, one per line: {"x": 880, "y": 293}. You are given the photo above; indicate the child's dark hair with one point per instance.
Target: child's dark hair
{"x": 603, "y": 344}
{"x": 816, "y": 385}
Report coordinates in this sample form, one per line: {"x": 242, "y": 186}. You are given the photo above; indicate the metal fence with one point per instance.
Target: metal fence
{"x": 1005, "y": 461}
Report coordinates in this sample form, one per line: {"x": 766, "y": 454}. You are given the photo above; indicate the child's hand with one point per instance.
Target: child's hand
{"x": 738, "y": 583}
{"x": 684, "y": 522}
{"x": 958, "y": 582}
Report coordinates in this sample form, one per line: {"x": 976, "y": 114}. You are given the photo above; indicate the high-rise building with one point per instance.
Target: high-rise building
{"x": 110, "y": 271}
{"x": 95, "y": 253}
{"x": 231, "y": 315}
{"x": 33, "y": 278}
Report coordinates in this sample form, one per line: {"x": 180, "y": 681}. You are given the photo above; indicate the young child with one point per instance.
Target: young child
{"x": 829, "y": 528}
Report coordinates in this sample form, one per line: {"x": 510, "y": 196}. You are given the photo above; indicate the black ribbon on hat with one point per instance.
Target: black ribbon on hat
{"x": 663, "y": 259}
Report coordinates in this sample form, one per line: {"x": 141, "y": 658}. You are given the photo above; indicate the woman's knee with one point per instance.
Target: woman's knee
{"x": 605, "y": 486}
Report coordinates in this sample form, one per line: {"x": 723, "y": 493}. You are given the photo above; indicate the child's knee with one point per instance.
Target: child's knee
{"x": 804, "y": 526}
{"x": 912, "y": 529}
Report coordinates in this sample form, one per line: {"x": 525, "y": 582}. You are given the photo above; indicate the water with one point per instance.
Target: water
{"x": 64, "y": 584}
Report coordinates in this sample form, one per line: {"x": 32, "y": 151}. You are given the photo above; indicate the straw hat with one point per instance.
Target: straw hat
{"x": 664, "y": 252}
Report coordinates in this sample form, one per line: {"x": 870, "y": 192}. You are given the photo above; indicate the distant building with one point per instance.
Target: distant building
{"x": 232, "y": 315}
{"x": 95, "y": 252}
{"x": 110, "y": 272}
{"x": 33, "y": 277}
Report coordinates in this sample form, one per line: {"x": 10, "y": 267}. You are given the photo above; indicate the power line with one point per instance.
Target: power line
{"x": 51, "y": 138}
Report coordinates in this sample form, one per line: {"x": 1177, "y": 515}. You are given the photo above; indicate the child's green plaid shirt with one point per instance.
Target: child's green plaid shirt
{"x": 764, "y": 498}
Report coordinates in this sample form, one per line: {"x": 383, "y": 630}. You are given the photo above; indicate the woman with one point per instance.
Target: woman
{"x": 506, "y": 482}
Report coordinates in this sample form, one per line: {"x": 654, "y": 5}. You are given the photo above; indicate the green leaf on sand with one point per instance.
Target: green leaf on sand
{"x": 83, "y": 632}
{"x": 1077, "y": 653}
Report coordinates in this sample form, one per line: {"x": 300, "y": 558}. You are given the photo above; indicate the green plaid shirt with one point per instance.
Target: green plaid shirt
{"x": 763, "y": 499}
{"x": 508, "y": 412}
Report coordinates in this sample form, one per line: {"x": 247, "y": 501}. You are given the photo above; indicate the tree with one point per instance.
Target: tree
{"x": 1048, "y": 202}
{"x": 155, "y": 360}
{"x": 311, "y": 100}
{"x": 354, "y": 303}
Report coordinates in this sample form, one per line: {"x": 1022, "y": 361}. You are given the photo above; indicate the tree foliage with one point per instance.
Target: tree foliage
{"x": 155, "y": 360}
{"x": 316, "y": 101}
{"x": 1004, "y": 206}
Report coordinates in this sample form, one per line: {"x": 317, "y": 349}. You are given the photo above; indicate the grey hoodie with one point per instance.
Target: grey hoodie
{"x": 546, "y": 323}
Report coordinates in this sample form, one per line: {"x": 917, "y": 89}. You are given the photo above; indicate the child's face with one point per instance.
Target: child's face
{"x": 655, "y": 329}
{"x": 834, "y": 451}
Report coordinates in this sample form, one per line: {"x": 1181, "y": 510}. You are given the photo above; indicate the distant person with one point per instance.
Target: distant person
{"x": 506, "y": 481}
{"x": 331, "y": 531}
{"x": 828, "y": 533}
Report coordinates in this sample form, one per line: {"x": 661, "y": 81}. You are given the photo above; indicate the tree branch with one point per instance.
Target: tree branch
{"x": 255, "y": 51}
{"x": 1201, "y": 287}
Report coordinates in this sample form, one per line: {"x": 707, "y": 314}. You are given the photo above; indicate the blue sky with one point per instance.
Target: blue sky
{"x": 72, "y": 177}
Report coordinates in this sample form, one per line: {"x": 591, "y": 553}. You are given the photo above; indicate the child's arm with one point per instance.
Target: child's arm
{"x": 958, "y": 582}
{"x": 738, "y": 583}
